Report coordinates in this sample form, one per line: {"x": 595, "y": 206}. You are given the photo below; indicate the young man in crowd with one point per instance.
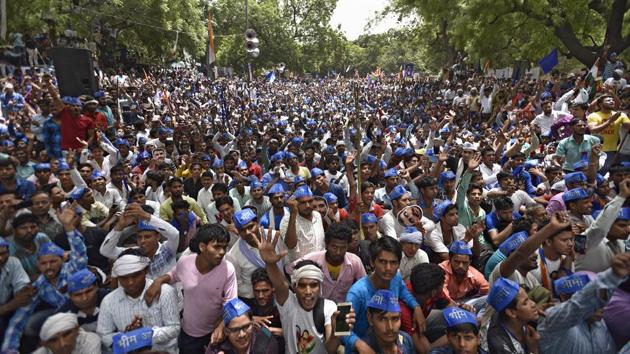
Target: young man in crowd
{"x": 303, "y": 229}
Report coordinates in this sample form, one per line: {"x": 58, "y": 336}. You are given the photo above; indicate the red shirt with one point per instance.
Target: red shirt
{"x": 99, "y": 120}
{"x": 374, "y": 209}
{"x": 438, "y": 302}
{"x": 255, "y": 170}
{"x": 73, "y": 128}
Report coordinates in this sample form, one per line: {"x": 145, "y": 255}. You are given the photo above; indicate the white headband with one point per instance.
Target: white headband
{"x": 56, "y": 324}
{"x": 129, "y": 264}
{"x": 308, "y": 271}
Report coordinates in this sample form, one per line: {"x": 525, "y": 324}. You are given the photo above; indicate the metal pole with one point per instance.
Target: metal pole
{"x": 249, "y": 61}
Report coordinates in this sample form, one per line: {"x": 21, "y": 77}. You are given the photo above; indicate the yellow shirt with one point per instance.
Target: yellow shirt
{"x": 334, "y": 270}
{"x": 611, "y": 132}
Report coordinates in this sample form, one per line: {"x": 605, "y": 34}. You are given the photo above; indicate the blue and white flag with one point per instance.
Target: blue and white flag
{"x": 270, "y": 77}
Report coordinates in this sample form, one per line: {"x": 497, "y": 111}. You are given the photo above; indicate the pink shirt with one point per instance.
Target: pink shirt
{"x": 204, "y": 294}
{"x": 351, "y": 270}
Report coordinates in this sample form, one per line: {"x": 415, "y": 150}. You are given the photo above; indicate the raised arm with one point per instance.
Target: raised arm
{"x": 271, "y": 257}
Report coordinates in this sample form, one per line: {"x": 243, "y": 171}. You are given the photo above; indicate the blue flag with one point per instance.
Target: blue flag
{"x": 270, "y": 77}
{"x": 549, "y": 61}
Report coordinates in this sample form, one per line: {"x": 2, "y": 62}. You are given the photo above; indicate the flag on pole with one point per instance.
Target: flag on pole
{"x": 549, "y": 61}
{"x": 270, "y": 77}
{"x": 211, "y": 54}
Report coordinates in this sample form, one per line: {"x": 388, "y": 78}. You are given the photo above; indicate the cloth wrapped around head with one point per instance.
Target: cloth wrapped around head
{"x": 56, "y": 324}
{"x": 129, "y": 264}
{"x": 307, "y": 271}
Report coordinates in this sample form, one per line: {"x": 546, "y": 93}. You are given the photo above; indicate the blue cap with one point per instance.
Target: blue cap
{"x": 242, "y": 165}
{"x": 580, "y": 165}
{"x": 369, "y": 159}
{"x": 391, "y": 172}
{"x": 99, "y": 94}
{"x": 397, "y": 192}
{"x": 78, "y": 193}
{"x": 384, "y": 300}
{"x": 447, "y": 176}
{"x": 80, "y": 280}
{"x": 278, "y": 156}
{"x": 408, "y": 152}
{"x": 298, "y": 179}
{"x": 530, "y": 164}
{"x": 571, "y": 284}
{"x": 455, "y": 316}
{"x": 97, "y": 174}
{"x": 440, "y": 209}
{"x": 3, "y": 242}
{"x": 460, "y": 247}
{"x": 302, "y": 191}
{"x": 125, "y": 342}
{"x": 234, "y": 308}
{"x": 142, "y": 140}
{"x": 243, "y": 217}
{"x": 513, "y": 242}
{"x": 399, "y": 152}
{"x": 329, "y": 149}
{"x": 254, "y": 183}
{"x": 368, "y": 218}
{"x": 575, "y": 194}
{"x": 49, "y": 249}
{"x": 412, "y": 235}
{"x": 330, "y": 198}
{"x": 296, "y": 140}
{"x": 72, "y": 101}
{"x": 600, "y": 179}
{"x": 206, "y": 157}
{"x": 288, "y": 155}
{"x": 120, "y": 141}
{"x": 624, "y": 214}
{"x": 316, "y": 172}
{"x": 41, "y": 167}
{"x": 144, "y": 155}
{"x": 275, "y": 189}
{"x": 502, "y": 293}
{"x": 145, "y": 226}
{"x": 574, "y": 177}
{"x": 63, "y": 166}
{"x": 382, "y": 165}
{"x": 217, "y": 163}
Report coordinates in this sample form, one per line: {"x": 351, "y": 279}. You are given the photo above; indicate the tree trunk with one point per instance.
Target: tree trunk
{"x": 576, "y": 49}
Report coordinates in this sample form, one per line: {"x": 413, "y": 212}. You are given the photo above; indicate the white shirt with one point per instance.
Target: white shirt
{"x": 388, "y": 225}
{"x": 87, "y": 342}
{"x": 309, "y": 233}
{"x": 519, "y": 198}
{"x": 489, "y": 174}
{"x": 243, "y": 269}
{"x": 156, "y": 195}
{"x": 546, "y": 121}
{"x": 529, "y": 280}
{"x": 213, "y": 213}
{"x": 297, "y": 321}
{"x": 261, "y": 208}
{"x": 109, "y": 198}
{"x": 435, "y": 239}
{"x": 407, "y": 264}
{"x": 204, "y": 197}
{"x": 118, "y": 310}
{"x": 343, "y": 181}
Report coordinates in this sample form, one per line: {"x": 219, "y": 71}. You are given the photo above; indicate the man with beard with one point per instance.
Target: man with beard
{"x": 107, "y": 196}
{"x": 258, "y": 199}
{"x": 341, "y": 268}
{"x": 10, "y": 182}
{"x": 61, "y": 334}
{"x": 272, "y": 219}
{"x": 26, "y": 242}
{"x": 578, "y": 147}
{"x": 607, "y": 123}
{"x": 321, "y": 185}
{"x": 123, "y": 309}
{"x": 303, "y": 229}
{"x": 73, "y": 124}
{"x": 46, "y": 217}
{"x": 90, "y": 111}
{"x": 51, "y": 283}
{"x": 462, "y": 282}
{"x": 209, "y": 282}
{"x": 15, "y": 289}
{"x": 85, "y": 298}
{"x": 176, "y": 187}
{"x": 576, "y": 325}
{"x": 149, "y": 231}
{"x": 297, "y": 310}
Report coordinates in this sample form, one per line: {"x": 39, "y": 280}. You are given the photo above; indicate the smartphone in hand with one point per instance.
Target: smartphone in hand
{"x": 342, "y": 328}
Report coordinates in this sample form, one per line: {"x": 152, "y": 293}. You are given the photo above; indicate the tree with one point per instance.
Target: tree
{"x": 527, "y": 29}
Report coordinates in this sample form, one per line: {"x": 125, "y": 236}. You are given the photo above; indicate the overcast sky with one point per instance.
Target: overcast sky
{"x": 353, "y": 15}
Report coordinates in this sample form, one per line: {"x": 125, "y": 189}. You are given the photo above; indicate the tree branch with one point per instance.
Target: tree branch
{"x": 598, "y": 6}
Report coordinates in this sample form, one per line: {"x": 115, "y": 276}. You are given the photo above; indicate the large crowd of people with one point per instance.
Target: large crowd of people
{"x": 168, "y": 212}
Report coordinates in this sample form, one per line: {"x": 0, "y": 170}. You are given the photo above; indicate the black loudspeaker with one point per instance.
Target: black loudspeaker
{"x": 74, "y": 71}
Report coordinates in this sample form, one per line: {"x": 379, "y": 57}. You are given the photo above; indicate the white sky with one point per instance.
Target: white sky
{"x": 353, "y": 15}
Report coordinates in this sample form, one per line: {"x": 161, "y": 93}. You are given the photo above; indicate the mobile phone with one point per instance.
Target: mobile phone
{"x": 341, "y": 327}
{"x": 580, "y": 244}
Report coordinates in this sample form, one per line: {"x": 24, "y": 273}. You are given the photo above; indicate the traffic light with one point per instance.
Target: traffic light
{"x": 251, "y": 43}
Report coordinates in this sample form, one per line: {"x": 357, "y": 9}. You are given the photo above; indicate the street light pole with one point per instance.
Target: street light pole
{"x": 249, "y": 61}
